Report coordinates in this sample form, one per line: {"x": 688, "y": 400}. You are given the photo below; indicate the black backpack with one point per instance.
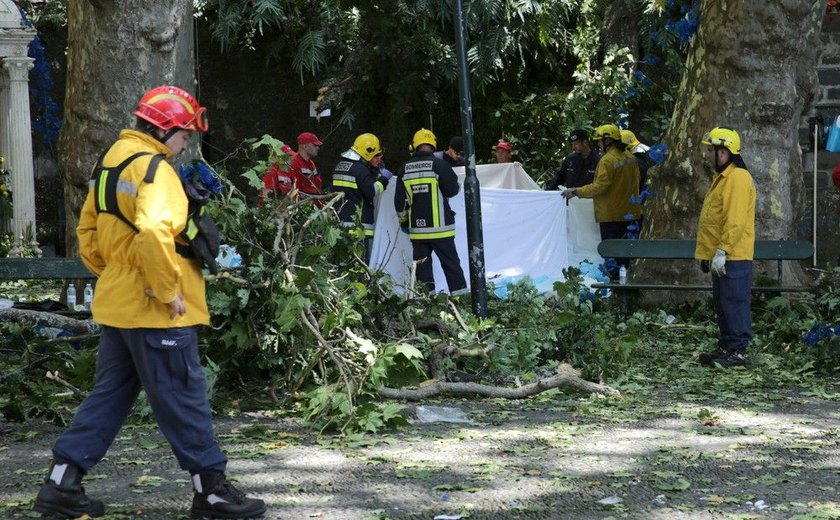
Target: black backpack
{"x": 200, "y": 233}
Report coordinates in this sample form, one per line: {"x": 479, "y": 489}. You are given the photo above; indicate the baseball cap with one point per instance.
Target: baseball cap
{"x": 457, "y": 143}
{"x": 579, "y": 134}
{"x": 504, "y": 145}
{"x": 309, "y": 137}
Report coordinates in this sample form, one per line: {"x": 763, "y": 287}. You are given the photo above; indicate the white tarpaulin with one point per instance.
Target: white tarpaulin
{"x": 524, "y": 228}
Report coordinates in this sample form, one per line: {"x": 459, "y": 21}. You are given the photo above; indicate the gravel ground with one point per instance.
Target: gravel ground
{"x": 555, "y": 456}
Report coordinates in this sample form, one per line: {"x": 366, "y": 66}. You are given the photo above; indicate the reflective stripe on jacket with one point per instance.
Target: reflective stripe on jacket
{"x": 616, "y": 180}
{"x": 128, "y": 262}
{"x": 727, "y": 220}
{"x": 360, "y": 186}
{"x": 426, "y": 183}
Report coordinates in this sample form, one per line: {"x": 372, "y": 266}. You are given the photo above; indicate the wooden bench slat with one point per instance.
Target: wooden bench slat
{"x": 641, "y": 248}
{"x": 684, "y": 249}
{"x": 43, "y": 269}
{"x": 661, "y": 287}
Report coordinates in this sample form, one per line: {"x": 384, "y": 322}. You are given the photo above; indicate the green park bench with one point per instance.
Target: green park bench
{"x": 52, "y": 268}
{"x": 44, "y": 269}
{"x": 668, "y": 249}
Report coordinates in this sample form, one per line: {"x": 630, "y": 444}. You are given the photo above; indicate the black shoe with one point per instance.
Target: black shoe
{"x": 708, "y": 358}
{"x": 66, "y": 498}
{"x": 216, "y": 497}
{"x": 732, "y": 359}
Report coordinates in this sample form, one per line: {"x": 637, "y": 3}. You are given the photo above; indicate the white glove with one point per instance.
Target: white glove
{"x": 719, "y": 263}
{"x": 569, "y": 193}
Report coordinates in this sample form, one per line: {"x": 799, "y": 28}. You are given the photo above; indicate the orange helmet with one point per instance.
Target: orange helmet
{"x": 169, "y": 107}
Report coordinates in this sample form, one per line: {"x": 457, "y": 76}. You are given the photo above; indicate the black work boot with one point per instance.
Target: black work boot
{"x": 733, "y": 358}
{"x": 215, "y": 497}
{"x": 63, "y": 495}
{"x": 707, "y": 358}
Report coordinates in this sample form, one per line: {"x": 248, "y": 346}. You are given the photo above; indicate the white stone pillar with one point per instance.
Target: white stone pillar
{"x": 20, "y": 154}
{"x": 5, "y": 136}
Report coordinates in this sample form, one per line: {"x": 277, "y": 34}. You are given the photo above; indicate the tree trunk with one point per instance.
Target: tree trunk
{"x": 116, "y": 51}
{"x": 621, "y": 26}
{"x": 751, "y": 67}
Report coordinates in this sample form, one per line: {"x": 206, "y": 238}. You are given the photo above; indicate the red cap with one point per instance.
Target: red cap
{"x": 309, "y": 137}
{"x": 504, "y": 145}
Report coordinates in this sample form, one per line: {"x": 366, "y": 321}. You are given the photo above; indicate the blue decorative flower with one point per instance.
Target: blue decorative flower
{"x": 47, "y": 120}
{"x": 685, "y": 27}
{"x": 823, "y": 330}
{"x": 657, "y": 153}
{"x": 811, "y": 339}
{"x": 201, "y": 172}
{"x": 652, "y": 59}
{"x": 609, "y": 266}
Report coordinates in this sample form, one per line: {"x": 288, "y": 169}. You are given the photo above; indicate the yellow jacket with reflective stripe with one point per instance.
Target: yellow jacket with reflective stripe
{"x": 616, "y": 180}
{"x": 727, "y": 220}
{"x": 126, "y": 262}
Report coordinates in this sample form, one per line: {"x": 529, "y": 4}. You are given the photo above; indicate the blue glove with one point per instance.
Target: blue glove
{"x": 718, "y": 266}
{"x": 385, "y": 172}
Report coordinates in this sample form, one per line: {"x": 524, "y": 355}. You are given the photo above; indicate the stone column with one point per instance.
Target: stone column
{"x": 19, "y": 160}
{"x": 5, "y": 146}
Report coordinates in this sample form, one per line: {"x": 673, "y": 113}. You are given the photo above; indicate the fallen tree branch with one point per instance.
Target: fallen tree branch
{"x": 54, "y": 376}
{"x": 50, "y": 319}
{"x": 566, "y": 376}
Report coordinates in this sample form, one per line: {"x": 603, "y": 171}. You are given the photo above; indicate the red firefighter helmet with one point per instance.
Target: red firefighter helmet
{"x": 169, "y": 107}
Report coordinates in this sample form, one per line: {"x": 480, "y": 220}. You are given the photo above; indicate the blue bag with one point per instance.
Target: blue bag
{"x": 833, "y": 143}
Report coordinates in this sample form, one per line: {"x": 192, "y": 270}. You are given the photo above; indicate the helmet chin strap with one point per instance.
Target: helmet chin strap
{"x": 720, "y": 167}
{"x": 169, "y": 133}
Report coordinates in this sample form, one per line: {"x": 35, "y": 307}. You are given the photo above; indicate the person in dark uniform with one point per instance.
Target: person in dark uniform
{"x": 578, "y": 168}
{"x": 454, "y": 154}
{"x": 360, "y": 177}
{"x": 426, "y": 183}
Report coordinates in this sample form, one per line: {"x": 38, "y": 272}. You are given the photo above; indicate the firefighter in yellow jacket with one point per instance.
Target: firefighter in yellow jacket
{"x": 616, "y": 182}
{"x": 149, "y": 301}
{"x": 725, "y": 245}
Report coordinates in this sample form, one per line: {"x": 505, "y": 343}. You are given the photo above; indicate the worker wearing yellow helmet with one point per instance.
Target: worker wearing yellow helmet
{"x": 426, "y": 183}
{"x": 616, "y": 182}
{"x": 360, "y": 177}
{"x": 639, "y": 150}
{"x": 725, "y": 244}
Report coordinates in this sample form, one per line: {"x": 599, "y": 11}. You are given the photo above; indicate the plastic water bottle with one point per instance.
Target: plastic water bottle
{"x": 71, "y": 297}
{"x": 88, "y": 296}
{"x": 622, "y": 275}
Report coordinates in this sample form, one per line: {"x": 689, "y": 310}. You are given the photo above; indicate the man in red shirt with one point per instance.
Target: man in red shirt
{"x": 302, "y": 173}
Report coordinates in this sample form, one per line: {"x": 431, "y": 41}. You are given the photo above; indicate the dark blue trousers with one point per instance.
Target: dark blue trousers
{"x": 447, "y": 254}
{"x": 165, "y": 363}
{"x": 731, "y": 296}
